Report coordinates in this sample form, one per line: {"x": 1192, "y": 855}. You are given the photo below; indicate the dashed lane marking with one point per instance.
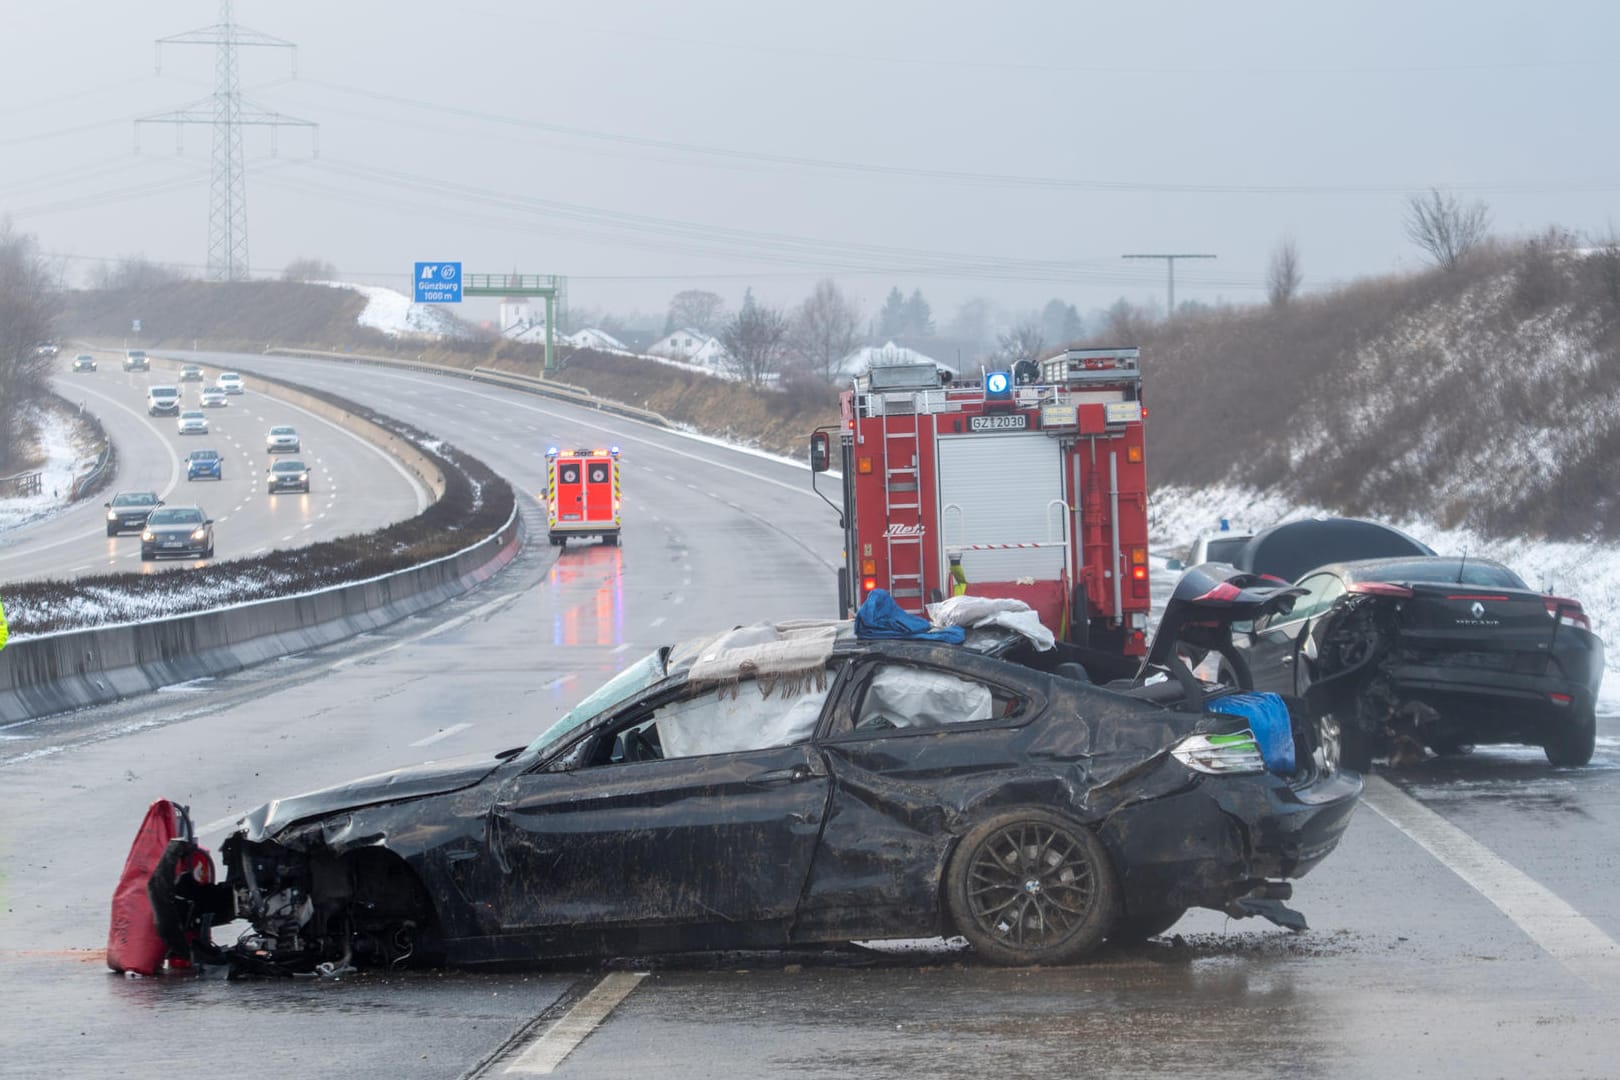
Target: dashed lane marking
{"x": 543, "y": 1055}
{"x": 657, "y": 622}
{"x": 1567, "y": 935}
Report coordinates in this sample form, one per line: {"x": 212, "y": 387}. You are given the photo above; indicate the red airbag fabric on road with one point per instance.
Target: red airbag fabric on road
{"x": 133, "y": 942}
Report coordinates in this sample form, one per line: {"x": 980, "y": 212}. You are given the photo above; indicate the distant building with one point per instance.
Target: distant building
{"x": 683, "y": 344}
{"x": 522, "y": 320}
{"x": 592, "y": 338}
{"x": 862, "y": 360}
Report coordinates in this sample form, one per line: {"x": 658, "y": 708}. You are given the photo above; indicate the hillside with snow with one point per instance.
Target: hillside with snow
{"x": 1484, "y": 399}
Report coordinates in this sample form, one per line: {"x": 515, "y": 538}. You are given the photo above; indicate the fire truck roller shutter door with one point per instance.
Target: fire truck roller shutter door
{"x": 1004, "y": 485}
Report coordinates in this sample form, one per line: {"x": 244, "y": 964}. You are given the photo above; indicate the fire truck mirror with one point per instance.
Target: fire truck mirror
{"x": 820, "y": 452}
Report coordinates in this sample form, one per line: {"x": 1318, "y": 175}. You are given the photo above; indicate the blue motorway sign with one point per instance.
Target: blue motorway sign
{"x": 438, "y": 283}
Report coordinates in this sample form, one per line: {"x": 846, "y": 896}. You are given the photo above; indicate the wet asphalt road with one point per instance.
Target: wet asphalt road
{"x": 1409, "y": 970}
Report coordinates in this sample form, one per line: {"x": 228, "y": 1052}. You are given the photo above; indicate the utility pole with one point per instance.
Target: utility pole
{"x": 1170, "y": 260}
{"x": 227, "y": 112}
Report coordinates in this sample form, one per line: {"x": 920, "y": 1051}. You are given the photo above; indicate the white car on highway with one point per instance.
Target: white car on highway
{"x": 231, "y": 382}
{"x": 282, "y": 439}
{"x": 192, "y": 422}
{"x": 212, "y": 397}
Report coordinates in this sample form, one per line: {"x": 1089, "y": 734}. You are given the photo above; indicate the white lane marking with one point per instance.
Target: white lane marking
{"x": 559, "y": 681}
{"x": 76, "y": 569}
{"x": 627, "y": 646}
{"x": 217, "y": 826}
{"x": 453, "y": 729}
{"x": 677, "y": 599}
{"x": 443, "y": 628}
{"x": 657, "y": 622}
{"x": 543, "y": 1055}
{"x": 1569, "y": 937}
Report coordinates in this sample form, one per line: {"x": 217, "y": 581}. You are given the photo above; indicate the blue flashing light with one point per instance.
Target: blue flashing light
{"x": 614, "y": 450}
{"x": 998, "y": 385}
{"x": 552, "y": 451}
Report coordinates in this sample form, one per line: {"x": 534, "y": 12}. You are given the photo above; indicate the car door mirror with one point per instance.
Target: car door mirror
{"x": 1174, "y": 564}
{"x": 820, "y": 451}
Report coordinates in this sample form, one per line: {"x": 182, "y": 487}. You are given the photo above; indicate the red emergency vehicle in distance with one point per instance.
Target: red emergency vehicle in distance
{"x": 1038, "y": 487}
{"x": 582, "y": 495}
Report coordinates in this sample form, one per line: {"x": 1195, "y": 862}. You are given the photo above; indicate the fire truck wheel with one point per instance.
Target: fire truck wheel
{"x": 557, "y": 541}
{"x": 611, "y": 539}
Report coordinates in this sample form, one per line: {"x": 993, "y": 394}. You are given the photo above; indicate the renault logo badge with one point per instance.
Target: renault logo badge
{"x": 1478, "y": 610}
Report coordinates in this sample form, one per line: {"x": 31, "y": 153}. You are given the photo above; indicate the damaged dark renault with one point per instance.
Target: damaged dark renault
{"x": 791, "y": 784}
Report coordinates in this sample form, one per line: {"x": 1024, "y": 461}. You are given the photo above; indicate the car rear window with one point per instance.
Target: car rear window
{"x": 1458, "y": 571}
{"x": 138, "y": 499}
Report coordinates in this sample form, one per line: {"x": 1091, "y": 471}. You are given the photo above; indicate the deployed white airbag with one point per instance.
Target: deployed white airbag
{"x": 906, "y": 697}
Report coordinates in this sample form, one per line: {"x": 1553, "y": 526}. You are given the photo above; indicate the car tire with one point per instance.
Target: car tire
{"x": 1134, "y": 928}
{"x": 1355, "y": 749}
{"x": 1573, "y": 745}
{"x": 1004, "y": 880}
{"x": 146, "y": 555}
{"x": 112, "y": 530}
{"x": 209, "y": 554}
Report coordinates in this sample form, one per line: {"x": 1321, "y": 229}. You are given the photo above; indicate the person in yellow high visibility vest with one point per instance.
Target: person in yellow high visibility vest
{"x": 958, "y": 577}
{"x": 4, "y": 633}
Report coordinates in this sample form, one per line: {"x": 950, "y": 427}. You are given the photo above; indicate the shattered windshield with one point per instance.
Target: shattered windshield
{"x": 623, "y": 686}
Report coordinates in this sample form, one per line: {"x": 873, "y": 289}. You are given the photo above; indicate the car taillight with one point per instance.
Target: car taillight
{"x": 1377, "y": 588}
{"x": 1224, "y": 591}
{"x": 1568, "y": 612}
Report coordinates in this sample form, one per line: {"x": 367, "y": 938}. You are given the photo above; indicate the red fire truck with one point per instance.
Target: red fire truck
{"x": 1028, "y": 485}
{"x": 582, "y": 495}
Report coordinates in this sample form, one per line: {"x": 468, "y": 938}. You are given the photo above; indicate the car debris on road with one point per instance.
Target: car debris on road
{"x": 792, "y": 783}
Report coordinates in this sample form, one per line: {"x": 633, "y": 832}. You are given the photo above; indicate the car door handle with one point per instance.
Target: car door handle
{"x": 1289, "y": 659}
{"x": 783, "y": 776}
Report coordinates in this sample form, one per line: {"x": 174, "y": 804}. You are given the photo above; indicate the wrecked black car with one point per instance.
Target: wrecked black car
{"x": 1439, "y": 652}
{"x": 788, "y": 784}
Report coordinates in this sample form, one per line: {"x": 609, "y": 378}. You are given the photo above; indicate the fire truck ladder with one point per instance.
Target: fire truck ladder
{"x": 902, "y": 509}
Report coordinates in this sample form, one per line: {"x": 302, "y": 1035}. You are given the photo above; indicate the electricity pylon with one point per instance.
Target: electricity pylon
{"x": 227, "y": 112}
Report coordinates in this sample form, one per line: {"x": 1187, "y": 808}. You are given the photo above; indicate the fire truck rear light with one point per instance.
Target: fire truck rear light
{"x": 1138, "y": 573}
{"x": 868, "y": 584}
{"x": 868, "y": 566}
{"x": 1139, "y": 588}
{"x": 1138, "y": 556}
{"x": 863, "y": 466}
{"x": 1133, "y": 454}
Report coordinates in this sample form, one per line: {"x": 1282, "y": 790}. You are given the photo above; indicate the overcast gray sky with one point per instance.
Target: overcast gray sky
{"x": 1011, "y": 150}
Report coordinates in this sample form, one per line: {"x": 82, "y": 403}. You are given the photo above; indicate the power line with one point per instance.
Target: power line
{"x": 1170, "y": 261}
{"x": 227, "y": 112}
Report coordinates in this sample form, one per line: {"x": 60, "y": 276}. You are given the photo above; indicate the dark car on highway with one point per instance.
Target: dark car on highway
{"x": 128, "y": 510}
{"x": 84, "y": 362}
{"x": 288, "y": 476}
{"x": 178, "y": 530}
{"x": 1438, "y": 652}
{"x": 205, "y": 465}
{"x": 773, "y": 786}
{"x": 135, "y": 360}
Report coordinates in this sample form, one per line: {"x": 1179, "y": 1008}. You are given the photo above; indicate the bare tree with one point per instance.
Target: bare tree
{"x": 1445, "y": 228}
{"x": 755, "y": 339}
{"x": 133, "y": 272}
{"x": 697, "y": 308}
{"x": 302, "y": 269}
{"x": 1022, "y": 342}
{"x": 1283, "y": 277}
{"x": 29, "y": 300}
{"x": 825, "y": 330}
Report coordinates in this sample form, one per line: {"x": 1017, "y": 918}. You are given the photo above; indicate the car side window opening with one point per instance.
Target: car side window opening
{"x": 1320, "y": 592}
{"x": 898, "y": 697}
{"x": 726, "y": 719}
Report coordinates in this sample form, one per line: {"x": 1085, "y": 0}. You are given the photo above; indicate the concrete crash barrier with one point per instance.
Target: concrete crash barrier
{"x": 54, "y": 673}
{"x": 526, "y": 383}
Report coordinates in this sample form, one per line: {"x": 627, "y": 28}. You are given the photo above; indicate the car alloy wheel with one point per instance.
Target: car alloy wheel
{"x": 1028, "y": 886}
